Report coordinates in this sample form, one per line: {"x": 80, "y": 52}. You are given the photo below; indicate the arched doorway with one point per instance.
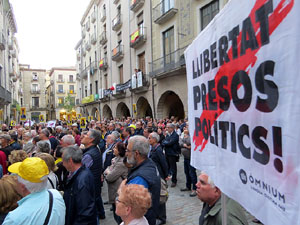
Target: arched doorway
{"x": 107, "y": 114}
{"x": 95, "y": 113}
{"x": 143, "y": 108}
{"x": 169, "y": 105}
{"x": 122, "y": 110}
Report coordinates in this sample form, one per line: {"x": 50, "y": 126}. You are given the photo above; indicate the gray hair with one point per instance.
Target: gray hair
{"x": 68, "y": 139}
{"x": 46, "y": 132}
{"x": 28, "y": 134}
{"x": 96, "y": 135}
{"x": 58, "y": 128}
{"x": 155, "y": 136}
{"x": 116, "y": 134}
{"x": 72, "y": 152}
{"x": 43, "y": 146}
{"x": 140, "y": 144}
{"x": 209, "y": 180}
{"x": 171, "y": 125}
{"x": 34, "y": 187}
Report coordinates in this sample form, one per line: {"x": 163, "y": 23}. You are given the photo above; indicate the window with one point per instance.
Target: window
{"x": 34, "y": 87}
{"x": 21, "y": 99}
{"x": 35, "y": 102}
{"x": 121, "y": 74}
{"x": 71, "y": 89}
{"x": 91, "y": 89}
{"x": 167, "y": 5}
{"x": 96, "y": 86}
{"x": 85, "y": 91}
{"x": 60, "y": 101}
{"x": 119, "y": 38}
{"x": 208, "y": 12}
{"x": 60, "y": 78}
{"x": 60, "y": 89}
{"x": 141, "y": 59}
{"x": 71, "y": 78}
{"x": 168, "y": 45}
{"x": 34, "y": 76}
{"x": 72, "y": 100}
{"x": 105, "y": 81}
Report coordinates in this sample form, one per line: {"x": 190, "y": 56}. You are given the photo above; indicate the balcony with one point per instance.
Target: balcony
{"x": 83, "y": 33}
{"x": 116, "y": 1}
{"x": 78, "y": 77}
{"x": 138, "y": 38}
{"x": 170, "y": 65}
{"x": 88, "y": 45}
{"x": 103, "y": 64}
{"x": 60, "y": 80}
{"x": 93, "y": 67}
{"x": 2, "y": 41}
{"x": 93, "y": 17}
{"x": 83, "y": 51}
{"x": 117, "y": 22}
{"x": 34, "y": 107}
{"x": 87, "y": 26}
{"x": 20, "y": 91}
{"x": 10, "y": 44}
{"x": 59, "y": 91}
{"x": 164, "y": 11}
{"x": 83, "y": 73}
{"x": 13, "y": 53}
{"x": 103, "y": 38}
{"x": 140, "y": 83}
{"x": 35, "y": 78}
{"x": 103, "y": 15}
{"x": 71, "y": 81}
{"x": 94, "y": 39}
{"x": 12, "y": 72}
{"x": 136, "y": 5}
{"x": 5, "y": 96}
{"x": 117, "y": 53}
{"x": 35, "y": 91}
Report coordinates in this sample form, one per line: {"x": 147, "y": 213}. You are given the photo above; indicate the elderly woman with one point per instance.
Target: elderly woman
{"x": 8, "y": 196}
{"x": 114, "y": 174}
{"x": 132, "y": 204}
{"x": 17, "y": 156}
{"x": 52, "y": 178}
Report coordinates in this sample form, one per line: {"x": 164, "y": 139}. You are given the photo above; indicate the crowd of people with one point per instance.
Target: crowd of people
{"x": 55, "y": 175}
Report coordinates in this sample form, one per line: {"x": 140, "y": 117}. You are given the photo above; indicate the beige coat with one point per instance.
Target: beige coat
{"x": 114, "y": 175}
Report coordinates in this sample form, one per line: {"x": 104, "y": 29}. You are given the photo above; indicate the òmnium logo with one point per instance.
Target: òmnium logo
{"x": 243, "y": 176}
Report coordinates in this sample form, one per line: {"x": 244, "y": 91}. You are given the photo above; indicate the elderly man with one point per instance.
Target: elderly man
{"x": 144, "y": 172}
{"x": 108, "y": 154}
{"x": 157, "y": 155}
{"x": 44, "y": 136}
{"x": 139, "y": 130}
{"x": 171, "y": 145}
{"x": 58, "y": 131}
{"x": 38, "y": 206}
{"x": 211, "y": 211}
{"x": 79, "y": 194}
{"x": 92, "y": 159}
{"x": 67, "y": 140}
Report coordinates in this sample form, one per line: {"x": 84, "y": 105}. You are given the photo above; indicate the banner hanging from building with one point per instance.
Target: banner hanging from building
{"x": 243, "y": 83}
{"x": 23, "y": 114}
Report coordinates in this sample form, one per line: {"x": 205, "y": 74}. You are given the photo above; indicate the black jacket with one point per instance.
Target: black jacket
{"x": 79, "y": 198}
{"x": 96, "y": 168}
{"x": 157, "y": 155}
{"x": 148, "y": 171}
{"x": 171, "y": 144}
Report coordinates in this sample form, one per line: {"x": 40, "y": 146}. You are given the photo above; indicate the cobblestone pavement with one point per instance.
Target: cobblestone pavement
{"x": 181, "y": 208}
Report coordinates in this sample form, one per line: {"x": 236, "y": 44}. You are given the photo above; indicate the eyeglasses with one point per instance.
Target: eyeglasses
{"x": 117, "y": 200}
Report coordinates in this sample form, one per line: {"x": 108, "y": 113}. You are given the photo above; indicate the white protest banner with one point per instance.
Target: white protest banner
{"x": 243, "y": 84}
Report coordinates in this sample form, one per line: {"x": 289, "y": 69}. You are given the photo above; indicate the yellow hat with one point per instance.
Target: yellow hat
{"x": 132, "y": 125}
{"x": 31, "y": 169}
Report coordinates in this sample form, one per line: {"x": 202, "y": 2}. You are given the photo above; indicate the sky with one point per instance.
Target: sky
{"x": 48, "y": 31}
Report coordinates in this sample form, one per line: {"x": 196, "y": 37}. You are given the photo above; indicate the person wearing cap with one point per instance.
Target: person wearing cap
{"x": 79, "y": 194}
{"x": 37, "y": 206}
{"x": 132, "y": 127}
{"x": 4, "y": 142}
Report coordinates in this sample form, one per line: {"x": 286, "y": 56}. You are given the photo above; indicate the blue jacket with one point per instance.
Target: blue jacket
{"x": 147, "y": 170}
{"x": 157, "y": 156}
{"x": 171, "y": 144}
{"x": 79, "y": 198}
